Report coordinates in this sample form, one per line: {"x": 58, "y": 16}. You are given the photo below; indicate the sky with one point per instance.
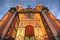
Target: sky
{"x": 53, "y": 5}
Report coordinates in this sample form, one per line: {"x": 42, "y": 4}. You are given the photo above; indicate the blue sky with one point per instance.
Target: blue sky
{"x": 53, "y": 5}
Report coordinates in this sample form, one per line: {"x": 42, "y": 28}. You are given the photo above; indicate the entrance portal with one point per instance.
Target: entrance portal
{"x": 29, "y": 33}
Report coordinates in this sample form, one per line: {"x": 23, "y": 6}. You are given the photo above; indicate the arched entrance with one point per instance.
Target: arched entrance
{"x": 29, "y": 32}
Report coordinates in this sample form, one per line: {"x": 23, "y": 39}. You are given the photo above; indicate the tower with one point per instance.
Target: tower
{"x": 29, "y": 24}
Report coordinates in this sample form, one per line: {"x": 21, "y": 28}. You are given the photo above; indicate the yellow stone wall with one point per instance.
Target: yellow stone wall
{"x": 35, "y": 21}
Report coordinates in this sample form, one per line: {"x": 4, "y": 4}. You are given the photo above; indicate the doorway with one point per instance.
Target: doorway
{"x": 29, "y": 32}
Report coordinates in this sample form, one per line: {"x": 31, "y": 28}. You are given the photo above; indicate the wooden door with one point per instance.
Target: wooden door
{"x": 29, "y": 33}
